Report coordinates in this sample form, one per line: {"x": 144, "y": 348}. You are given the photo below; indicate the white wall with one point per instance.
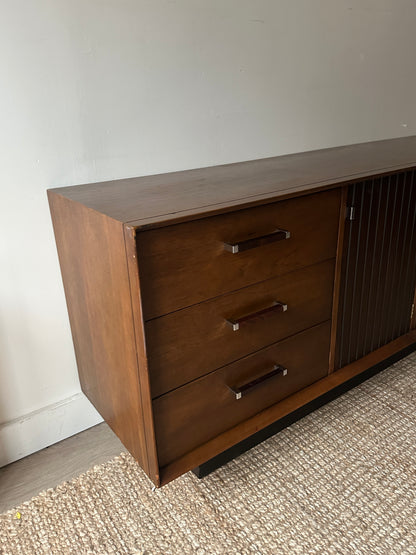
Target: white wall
{"x": 99, "y": 89}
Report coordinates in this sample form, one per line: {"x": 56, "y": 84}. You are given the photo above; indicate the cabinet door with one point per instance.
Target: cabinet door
{"x": 379, "y": 265}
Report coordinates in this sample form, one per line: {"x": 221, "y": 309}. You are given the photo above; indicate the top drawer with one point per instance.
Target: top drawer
{"x": 187, "y": 263}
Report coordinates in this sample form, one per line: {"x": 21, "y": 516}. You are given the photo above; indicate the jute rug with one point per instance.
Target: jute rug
{"x": 340, "y": 481}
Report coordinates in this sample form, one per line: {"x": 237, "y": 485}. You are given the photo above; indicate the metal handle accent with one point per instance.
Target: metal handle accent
{"x": 276, "y": 307}
{"x": 246, "y": 388}
{"x": 276, "y": 235}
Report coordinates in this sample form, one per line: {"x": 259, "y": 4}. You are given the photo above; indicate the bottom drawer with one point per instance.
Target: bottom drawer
{"x": 194, "y": 413}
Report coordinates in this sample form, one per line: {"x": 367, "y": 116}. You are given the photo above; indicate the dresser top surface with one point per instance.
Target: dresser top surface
{"x": 158, "y": 200}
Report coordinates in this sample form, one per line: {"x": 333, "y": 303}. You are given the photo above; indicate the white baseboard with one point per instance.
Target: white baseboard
{"x": 46, "y": 426}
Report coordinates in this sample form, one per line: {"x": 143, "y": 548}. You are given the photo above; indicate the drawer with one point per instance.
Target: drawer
{"x": 184, "y": 264}
{"x": 196, "y": 412}
{"x": 189, "y": 343}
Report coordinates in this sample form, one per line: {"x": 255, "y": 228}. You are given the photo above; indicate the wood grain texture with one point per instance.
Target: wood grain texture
{"x": 189, "y": 343}
{"x": 225, "y": 440}
{"x": 185, "y": 264}
{"x": 201, "y": 410}
{"x": 161, "y": 199}
{"x": 94, "y": 268}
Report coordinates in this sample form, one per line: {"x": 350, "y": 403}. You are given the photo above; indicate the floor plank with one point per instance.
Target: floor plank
{"x": 45, "y": 469}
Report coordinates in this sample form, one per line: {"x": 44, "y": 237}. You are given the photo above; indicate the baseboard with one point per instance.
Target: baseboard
{"x": 46, "y": 426}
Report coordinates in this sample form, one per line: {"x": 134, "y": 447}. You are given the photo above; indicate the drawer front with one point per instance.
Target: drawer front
{"x": 189, "y": 343}
{"x": 184, "y": 264}
{"x": 193, "y": 414}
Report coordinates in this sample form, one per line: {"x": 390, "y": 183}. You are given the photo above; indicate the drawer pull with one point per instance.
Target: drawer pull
{"x": 276, "y": 235}
{"x": 276, "y": 307}
{"x": 244, "y": 389}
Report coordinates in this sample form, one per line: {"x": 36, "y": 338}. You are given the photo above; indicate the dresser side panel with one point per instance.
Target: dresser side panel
{"x": 95, "y": 275}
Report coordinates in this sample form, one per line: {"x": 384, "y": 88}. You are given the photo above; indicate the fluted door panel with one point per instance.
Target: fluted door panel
{"x": 379, "y": 265}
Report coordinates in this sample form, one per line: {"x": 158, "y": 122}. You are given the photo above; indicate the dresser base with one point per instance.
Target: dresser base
{"x": 236, "y": 450}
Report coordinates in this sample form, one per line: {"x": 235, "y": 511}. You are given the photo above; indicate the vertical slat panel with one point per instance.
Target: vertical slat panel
{"x": 405, "y": 236}
{"x": 374, "y": 262}
{"x": 379, "y": 265}
{"x": 403, "y": 248}
{"x": 367, "y": 266}
{"x": 344, "y": 314}
{"x": 357, "y": 260}
{"x": 409, "y": 278}
{"x": 381, "y": 250}
{"x": 386, "y": 294}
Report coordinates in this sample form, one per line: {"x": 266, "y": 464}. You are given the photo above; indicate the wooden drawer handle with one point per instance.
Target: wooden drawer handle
{"x": 276, "y": 307}
{"x": 276, "y": 235}
{"x": 246, "y": 388}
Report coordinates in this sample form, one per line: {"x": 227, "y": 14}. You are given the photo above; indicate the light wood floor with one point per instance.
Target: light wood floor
{"x": 45, "y": 469}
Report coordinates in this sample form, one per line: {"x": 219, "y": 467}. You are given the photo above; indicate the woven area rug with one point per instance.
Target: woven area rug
{"x": 340, "y": 481}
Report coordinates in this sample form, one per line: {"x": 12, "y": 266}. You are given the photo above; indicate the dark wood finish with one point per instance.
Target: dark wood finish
{"x": 413, "y": 313}
{"x": 337, "y": 278}
{"x": 201, "y": 410}
{"x": 233, "y": 452}
{"x": 379, "y": 271}
{"x": 185, "y": 264}
{"x": 157, "y": 200}
{"x": 287, "y": 406}
{"x": 206, "y": 340}
{"x": 93, "y": 262}
{"x": 150, "y": 286}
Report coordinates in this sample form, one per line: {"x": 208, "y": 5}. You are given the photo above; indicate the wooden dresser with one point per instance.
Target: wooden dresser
{"x": 207, "y": 306}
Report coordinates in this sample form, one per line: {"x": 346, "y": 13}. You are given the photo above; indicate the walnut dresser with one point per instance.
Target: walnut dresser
{"x": 211, "y": 307}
